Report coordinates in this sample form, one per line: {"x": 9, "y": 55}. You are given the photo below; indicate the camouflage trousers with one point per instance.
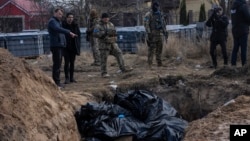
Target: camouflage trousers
{"x": 110, "y": 49}
{"x": 95, "y": 49}
{"x": 155, "y": 48}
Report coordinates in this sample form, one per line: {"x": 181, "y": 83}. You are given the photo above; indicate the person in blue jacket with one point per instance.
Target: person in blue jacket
{"x": 57, "y": 43}
{"x": 219, "y": 22}
{"x": 240, "y": 17}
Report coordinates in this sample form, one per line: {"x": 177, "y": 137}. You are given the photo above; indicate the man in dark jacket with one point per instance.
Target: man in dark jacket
{"x": 240, "y": 28}
{"x": 72, "y": 48}
{"x": 219, "y": 23}
{"x": 57, "y": 43}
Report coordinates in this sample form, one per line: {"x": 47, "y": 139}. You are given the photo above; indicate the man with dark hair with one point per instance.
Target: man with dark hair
{"x": 240, "y": 28}
{"x": 57, "y": 43}
{"x": 72, "y": 48}
{"x": 106, "y": 33}
{"x": 155, "y": 26}
{"x": 219, "y": 23}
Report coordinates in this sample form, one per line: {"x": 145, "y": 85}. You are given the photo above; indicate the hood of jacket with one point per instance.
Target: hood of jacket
{"x": 238, "y": 3}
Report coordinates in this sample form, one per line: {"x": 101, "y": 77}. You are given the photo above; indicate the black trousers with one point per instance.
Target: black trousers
{"x": 223, "y": 50}
{"x": 240, "y": 43}
{"x": 69, "y": 66}
{"x": 57, "y": 53}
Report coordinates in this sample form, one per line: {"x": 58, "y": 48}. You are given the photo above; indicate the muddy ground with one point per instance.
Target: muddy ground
{"x": 194, "y": 89}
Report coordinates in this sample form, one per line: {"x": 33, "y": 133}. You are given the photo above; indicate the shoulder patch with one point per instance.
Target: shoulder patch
{"x": 96, "y": 30}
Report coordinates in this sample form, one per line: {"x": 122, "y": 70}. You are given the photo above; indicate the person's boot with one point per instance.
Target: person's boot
{"x": 66, "y": 81}
{"x": 60, "y": 85}
{"x": 73, "y": 80}
{"x": 213, "y": 66}
{"x": 159, "y": 64}
{"x": 105, "y": 75}
{"x": 96, "y": 64}
{"x": 126, "y": 70}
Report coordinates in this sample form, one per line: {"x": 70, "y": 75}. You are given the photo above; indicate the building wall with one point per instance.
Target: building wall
{"x": 12, "y": 11}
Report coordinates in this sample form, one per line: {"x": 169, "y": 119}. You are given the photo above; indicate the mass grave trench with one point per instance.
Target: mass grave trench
{"x": 192, "y": 96}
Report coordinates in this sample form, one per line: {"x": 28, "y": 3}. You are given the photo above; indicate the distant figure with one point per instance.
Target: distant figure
{"x": 57, "y": 43}
{"x": 240, "y": 28}
{"x": 72, "y": 48}
{"x": 93, "y": 20}
{"x": 106, "y": 33}
{"x": 155, "y": 26}
{"x": 219, "y": 23}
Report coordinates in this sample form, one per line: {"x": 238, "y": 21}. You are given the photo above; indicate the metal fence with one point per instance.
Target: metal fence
{"x": 31, "y": 44}
{"x": 23, "y": 44}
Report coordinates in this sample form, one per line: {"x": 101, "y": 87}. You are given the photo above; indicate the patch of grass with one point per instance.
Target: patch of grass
{"x": 183, "y": 48}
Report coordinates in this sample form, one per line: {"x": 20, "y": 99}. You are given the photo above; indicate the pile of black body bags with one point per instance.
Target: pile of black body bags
{"x": 137, "y": 113}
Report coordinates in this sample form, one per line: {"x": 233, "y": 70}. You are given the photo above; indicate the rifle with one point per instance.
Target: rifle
{"x": 88, "y": 35}
{"x": 163, "y": 24}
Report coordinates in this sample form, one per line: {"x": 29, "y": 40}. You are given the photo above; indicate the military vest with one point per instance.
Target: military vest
{"x": 155, "y": 22}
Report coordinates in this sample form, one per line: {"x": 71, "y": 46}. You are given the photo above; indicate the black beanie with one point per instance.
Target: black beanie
{"x": 105, "y": 15}
{"x": 155, "y": 6}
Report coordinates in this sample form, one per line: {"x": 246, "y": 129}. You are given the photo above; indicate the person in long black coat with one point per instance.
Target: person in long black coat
{"x": 219, "y": 22}
{"x": 72, "y": 48}
{"x": 240, "y": 17}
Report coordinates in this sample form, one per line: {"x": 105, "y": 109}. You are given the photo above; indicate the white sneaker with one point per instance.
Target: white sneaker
{"x": 105, "y": 75}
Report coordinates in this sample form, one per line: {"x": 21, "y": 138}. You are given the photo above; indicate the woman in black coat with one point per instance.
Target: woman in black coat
{"x": 72, "y": 48}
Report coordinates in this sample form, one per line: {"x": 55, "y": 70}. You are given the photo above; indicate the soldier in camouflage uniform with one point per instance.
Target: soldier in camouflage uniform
{"x": 155, "y": 27}
{"x": 93, "y": 20}
{"x": 106, "y": 33}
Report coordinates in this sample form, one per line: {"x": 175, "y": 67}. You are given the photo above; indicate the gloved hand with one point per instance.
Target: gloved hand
{"x": 103, "y": 34}
{"x": 112, "y": 33}
{"x": 216, "y": 17}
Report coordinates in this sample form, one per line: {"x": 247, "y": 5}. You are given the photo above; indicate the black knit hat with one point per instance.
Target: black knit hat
{"x": 155, "y": 4}
{"x": 105, "y": 15}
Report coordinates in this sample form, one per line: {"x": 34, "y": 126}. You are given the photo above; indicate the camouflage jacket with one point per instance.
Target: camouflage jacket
{"x": 155, "y": 24}
{"x": 106, "y": 32}
{"x": 91, "y": 25}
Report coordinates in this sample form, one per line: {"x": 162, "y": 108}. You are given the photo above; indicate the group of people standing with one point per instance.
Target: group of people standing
{"x": 65, "y": 43}
{"x": 240, "y": 18}
{"x": 101, "y": 33}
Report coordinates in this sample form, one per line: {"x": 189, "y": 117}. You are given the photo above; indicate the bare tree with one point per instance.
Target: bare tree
{"x": 122, "y": 12}
{"x": 39, "y": 19}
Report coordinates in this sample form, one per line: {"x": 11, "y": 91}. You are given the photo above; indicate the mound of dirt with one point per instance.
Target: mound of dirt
{"x": 187, "y": 84}
{"x": 215, "y": 126}
{"x": 32, "y": 107}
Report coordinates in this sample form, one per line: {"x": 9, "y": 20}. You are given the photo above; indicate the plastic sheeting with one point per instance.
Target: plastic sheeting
{"x": 138, "y": 113}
